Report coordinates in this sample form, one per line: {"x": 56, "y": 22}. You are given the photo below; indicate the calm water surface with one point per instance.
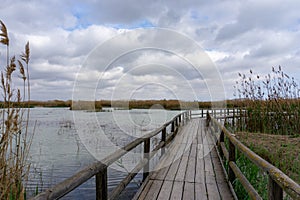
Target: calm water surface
{"x": 64, "y": 143}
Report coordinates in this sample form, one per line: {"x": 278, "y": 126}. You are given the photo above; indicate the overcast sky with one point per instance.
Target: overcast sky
{"x": 237, "y": 35}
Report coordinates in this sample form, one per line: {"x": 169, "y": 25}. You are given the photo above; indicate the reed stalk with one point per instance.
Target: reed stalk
{"x": 14, "y": 138}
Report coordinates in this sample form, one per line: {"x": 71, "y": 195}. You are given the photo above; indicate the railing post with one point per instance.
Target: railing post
{"x": 208, "y": 118}
{"x": 179, "y": 118}
{"x": 202, "y": 114}
{"x": 219, "y": 143}
{"x": 146, "y": 155}
{"x": 231, "y": 175}
{"x": 173, "y": 127}
{"x": 163, "y": 139}
{"x": 274, "y": 190}
{"x": 233, "y": 117}
{"x": 101, "y": 185}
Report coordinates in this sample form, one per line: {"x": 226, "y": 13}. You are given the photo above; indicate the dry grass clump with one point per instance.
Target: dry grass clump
{"x": 14, "y": 139}
{"x": 272, "y": 102}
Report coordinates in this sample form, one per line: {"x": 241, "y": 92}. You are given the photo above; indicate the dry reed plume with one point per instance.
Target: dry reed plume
{"x": 271, "y": 102}
{"x": 14, "y": 138}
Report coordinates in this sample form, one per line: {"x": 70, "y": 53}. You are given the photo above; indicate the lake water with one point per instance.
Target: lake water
{"x": 66, "y": 141}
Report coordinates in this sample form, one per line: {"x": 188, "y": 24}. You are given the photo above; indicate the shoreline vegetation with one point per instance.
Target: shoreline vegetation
{"x": 137, "y": 104}
{"x": 15, "y": 137}
{"x": 269, "y": 125}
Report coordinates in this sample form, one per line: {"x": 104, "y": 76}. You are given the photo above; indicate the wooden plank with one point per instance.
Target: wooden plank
{"x": 182, "y": 169}
{"x": 200, "y": 173}
{"x": 166, "y": 190}
{"x": 162, "y": 168}
{"x": 161, "y": 173}
{"x": 177, "y": 190}
{"x": 145, "y": 191}
{"x": 173, "y": 170}
{"x": 154, "y": 190}
{"x": 225, "y": 191}
{"x": 193, "y": 152}
{"x": 212, "y": 191}
{"x": 200, "y": 191}
{"x": 189, "y": 191}
{"x": 190, "y": 172}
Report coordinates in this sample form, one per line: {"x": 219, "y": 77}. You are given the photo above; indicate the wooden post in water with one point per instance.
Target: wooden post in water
{"x": 101, "y": 185}
{"x": 274, "y": 190}
{"x": 146, "y": 155}
{"x": 231, "y": 175}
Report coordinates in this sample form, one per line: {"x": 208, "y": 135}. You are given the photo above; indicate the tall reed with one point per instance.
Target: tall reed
{"x": 14, "y": 138}
{"x": 271, "y": 102}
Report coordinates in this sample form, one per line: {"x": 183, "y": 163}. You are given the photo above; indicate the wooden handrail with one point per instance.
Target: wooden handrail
{"x": 99, "y": 168}
{"x": 278, "y": 181}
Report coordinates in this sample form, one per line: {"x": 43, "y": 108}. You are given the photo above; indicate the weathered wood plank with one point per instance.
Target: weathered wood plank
{"x": 182, "y": 169}
{"x": 200, "y": 173}
{"x": 189, "y": 191}
{"x": 190, "y": 172}
{"x": 154, "y": 190}
{"x": 212, "y": 191}
{"x": 225, "y": 191}
{"x": 177, "y": 190}
{"x": 200, "y": 191}
{"x": 166, "y": 190}
{"x": 173, "y": 170}
{"x": 145, "y": 191}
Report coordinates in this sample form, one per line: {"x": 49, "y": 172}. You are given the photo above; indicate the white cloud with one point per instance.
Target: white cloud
{"x": 237, "y": 35}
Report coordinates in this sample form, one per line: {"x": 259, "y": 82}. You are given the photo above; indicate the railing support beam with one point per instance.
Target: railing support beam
{"x": 163, "y": 139}
{"x": 274, "y": 190}
{"x": 146, "y": 155}
{"x": 231, "y": 175}
{"x": 101, "y": 185}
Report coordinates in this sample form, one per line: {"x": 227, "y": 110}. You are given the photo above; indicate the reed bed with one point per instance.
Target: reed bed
{"x": 271, "y": 102}
{"x": 269, "y": 125}
{"x": 14, "y": 114}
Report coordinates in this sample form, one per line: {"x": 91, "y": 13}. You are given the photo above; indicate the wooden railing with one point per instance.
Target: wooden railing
{"x": 278, "y": 181}
{"x": 99, "y": 169}
{"x": 232, "y": 113}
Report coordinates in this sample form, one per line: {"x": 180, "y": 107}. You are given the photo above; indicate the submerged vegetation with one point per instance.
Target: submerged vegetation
{"x": 14, "y": 137}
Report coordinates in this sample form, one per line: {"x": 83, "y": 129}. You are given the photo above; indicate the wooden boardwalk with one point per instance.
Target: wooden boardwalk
{"x": 190, "y": 168}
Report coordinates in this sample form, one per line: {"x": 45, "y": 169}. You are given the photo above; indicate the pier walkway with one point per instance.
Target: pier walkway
{"x": 190, "y": 168}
